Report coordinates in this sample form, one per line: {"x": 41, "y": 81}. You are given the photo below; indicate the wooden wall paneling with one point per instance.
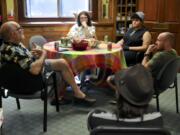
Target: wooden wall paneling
{"x": 111, "y": 15}
{"x": 140, "y": 5}
{"x": 149, "y": 7}
{"x": 100, "y": 14}
{"x": 4, "y": 10}
{"x": 94, "y": 7}
{"x": 161, "y": 10}
{"x": 101, "y": 31}
{"x": 111, "y": 10}
{"x": 161, "y": 16}
{"x": 169, "y": 14}
{"x": 52, "y": 33}
{"x": 15, "y": 10}
{"x": 151, "y": 12}
{"x": 114, "y": 10}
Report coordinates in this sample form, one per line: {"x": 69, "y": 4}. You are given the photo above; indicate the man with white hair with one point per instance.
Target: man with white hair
{"x": 12, "y": 50}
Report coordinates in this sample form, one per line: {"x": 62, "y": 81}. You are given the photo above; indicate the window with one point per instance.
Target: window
{"x": 54, "y": 8}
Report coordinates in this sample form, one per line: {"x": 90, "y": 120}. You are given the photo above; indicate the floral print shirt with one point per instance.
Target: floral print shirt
{"x": 16, "y": 53}
{"x": 81, "y": 32}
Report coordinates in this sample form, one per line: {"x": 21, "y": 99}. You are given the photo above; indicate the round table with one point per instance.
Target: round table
{"x": 90, "y": 58}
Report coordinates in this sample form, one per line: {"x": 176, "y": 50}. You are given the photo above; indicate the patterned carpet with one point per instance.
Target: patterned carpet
{"x": 71, "y": 120}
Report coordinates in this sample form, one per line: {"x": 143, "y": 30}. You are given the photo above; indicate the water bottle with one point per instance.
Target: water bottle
{"x": 106, "y": 39}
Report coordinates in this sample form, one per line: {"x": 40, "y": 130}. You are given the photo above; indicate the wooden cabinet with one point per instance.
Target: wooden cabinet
{"x": 103, "y": 30}
{"x": 125, "y": 8}
{"x": 161, "y": 16}
{"x": 106, "y": 11}
{"x": 105, "y": 25}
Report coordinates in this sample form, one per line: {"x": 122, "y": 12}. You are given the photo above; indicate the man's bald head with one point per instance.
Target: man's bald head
{"x": 10, "y": 32}
{"x": 169, "y": 37}
{"x": 6, "y": 30}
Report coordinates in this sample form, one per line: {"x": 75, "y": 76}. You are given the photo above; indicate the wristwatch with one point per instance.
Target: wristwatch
{"x": 147, "y": 55}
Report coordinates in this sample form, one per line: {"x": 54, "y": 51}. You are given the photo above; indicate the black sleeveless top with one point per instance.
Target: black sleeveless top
{"x": 134, "y": 37}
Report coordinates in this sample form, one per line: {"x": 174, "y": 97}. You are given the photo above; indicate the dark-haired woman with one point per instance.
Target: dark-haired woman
{"x": 83, "y": 28}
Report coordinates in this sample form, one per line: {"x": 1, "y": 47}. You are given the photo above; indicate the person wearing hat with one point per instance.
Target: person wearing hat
{"x": 133, "y": 95}
{"x": 134, "y": 88}
{"x": 135, "y": 42}
{"x": 136, "y": 39}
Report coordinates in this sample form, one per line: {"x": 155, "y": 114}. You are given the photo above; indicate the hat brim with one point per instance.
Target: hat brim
{"x": 135, "y": 16}
{"x": 124, "y": 91}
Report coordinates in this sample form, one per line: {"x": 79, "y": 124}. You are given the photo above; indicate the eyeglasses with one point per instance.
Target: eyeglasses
{"x": 84, "y": 17}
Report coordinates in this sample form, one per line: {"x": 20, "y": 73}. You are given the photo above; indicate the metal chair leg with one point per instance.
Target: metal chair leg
{"x": 1, "y": 130}
{"x": 45, "y": 111}
{"x": 157, "y": 102}
{"x": 0, "y": 98}
{"x": 176, "y": 94}
{"x": 18, "y": 103}
{"x": 55, "y": 91}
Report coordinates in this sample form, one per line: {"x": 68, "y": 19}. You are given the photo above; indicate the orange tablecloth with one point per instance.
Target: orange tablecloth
{"x": 90, "y": 58}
